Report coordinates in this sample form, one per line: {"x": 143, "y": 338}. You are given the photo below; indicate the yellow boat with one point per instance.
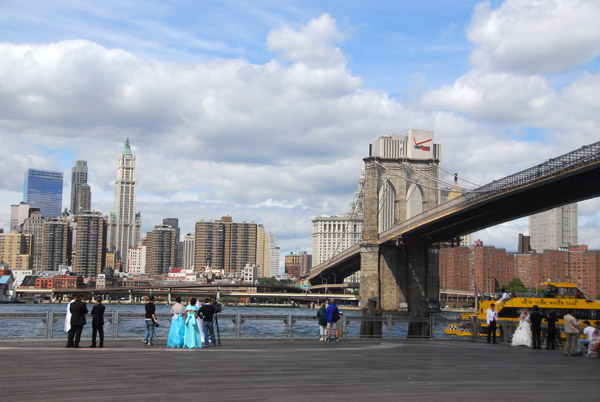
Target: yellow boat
{"x": 559, "y": 297}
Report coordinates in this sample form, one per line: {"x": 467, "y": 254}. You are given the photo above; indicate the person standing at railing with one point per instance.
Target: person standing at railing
{"x": 150, "y": 320}
{"x": 78, "y": 311}
{"x": 177, "y": 329}
{"x": 98, "y": 322}
{"x": 491, "y": 318}
{"x": 68, "y": 316}
{"x": 191, "y": 338}
{"x": 572, "y": 331}
{"x": 551, "y": 331}
{"x": 332, "y": 314}
{"x": 321, "y": 315}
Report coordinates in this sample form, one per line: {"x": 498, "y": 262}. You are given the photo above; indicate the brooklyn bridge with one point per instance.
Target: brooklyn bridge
{"x": 405, "y": 221}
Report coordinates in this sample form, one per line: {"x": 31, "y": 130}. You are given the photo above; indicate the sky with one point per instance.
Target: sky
{"x": 264, "y": 110}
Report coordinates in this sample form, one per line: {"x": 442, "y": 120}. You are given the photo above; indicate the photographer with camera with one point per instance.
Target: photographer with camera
{"x": 208, "y": 312}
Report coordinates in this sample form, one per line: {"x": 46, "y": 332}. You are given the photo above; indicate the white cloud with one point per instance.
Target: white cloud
{"x": 314, "y": 44}
{"x": 535, "y": 37}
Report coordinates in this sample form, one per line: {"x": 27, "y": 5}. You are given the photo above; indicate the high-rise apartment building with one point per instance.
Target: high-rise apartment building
{"x": 124, "y": 225}
{"x": 554, "y": 229}
{"x": 56, "y": 244}
{"x": 487, "y": 269}
{"x": 90, "y": 246}
{"x": 160, "y": 250}
{"x": 334, "y": 234}
{"x": 84, "y": 198}
{"x": 34, "y": 225}
{"x": 268, "y": 253}
{"x": 174, "y": 223}
{"x": 43, "y": 189}
{"x": 189, "y": 246}
{"x": 224, "y": 244}
{"x": 15, "y": 250}
{"x": 79, "y": 174}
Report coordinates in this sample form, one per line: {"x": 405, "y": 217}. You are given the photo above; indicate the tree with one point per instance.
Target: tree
{"x": 516, "y": 285}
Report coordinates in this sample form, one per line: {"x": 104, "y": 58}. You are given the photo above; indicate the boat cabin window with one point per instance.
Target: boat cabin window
{"x": 509, "y": 312}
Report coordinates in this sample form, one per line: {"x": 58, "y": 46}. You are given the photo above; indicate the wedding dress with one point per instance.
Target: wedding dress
{"x": 522, "y": 336}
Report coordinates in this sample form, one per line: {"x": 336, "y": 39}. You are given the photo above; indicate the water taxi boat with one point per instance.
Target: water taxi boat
{"x": 559, "y": 297}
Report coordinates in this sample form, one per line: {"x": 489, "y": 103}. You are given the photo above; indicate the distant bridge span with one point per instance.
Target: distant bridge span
{"x": 568, "y": 178}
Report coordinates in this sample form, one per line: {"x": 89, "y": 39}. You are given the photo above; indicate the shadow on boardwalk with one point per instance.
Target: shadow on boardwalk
{"x": 301, "y": 370}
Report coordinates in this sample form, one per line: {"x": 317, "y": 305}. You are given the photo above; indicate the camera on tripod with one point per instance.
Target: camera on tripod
{"x": 218, "y": 307}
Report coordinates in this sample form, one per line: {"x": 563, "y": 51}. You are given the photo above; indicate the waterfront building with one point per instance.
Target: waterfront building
{"x": 136, "y": 260}
{"x": 251, "y": 273}
{"x": 15, "y": 251}
{"x": 298, "y": 263}
{"x": 554, "y": 229}
{"x": 56, "y": 244}
{"x": 111, "y": 260}
{"x": 160, "y": 250}
{"x": 224, "y": 244}
{"x": 18, "y": 214}
{"x": 34, "y": 225}
{"x": 334, "y": 234}
{"x": 43, "y": 189}
{"x": 79, "y": 175}
{"x": 189, "y": 245}
{"x": 90, "y": 246}
{"x": 487, "y": 269}
{"x": 124, "y": 225}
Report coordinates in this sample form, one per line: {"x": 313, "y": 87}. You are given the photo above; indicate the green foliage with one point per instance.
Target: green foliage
{"x": 516, "y": 285}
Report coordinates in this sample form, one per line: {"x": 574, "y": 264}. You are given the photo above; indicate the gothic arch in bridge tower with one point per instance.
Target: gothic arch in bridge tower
{"x": 414, "y": 200}
{"x": 387, "y": 206}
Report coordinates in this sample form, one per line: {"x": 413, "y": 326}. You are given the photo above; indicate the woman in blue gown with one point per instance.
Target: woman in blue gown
{"x": 192, "y": 334}
{"x": 177, "y": 330}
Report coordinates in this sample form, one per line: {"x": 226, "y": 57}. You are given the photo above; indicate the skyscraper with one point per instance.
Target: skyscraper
{"x": 43, "y": 190}
{"x": 189, "y": 244}
{"x": 90, "y": 245}
{"x": 224, "y": 244}
{"x": 160, "y": 250}
{"x": 554, "y": 229}
{"x": 174, "y": 223}
{"x": 124, "y": 226}
{"x": 79, "y": 174}
{"x": 57, "y": 240}
{"x": 34, "y": 226}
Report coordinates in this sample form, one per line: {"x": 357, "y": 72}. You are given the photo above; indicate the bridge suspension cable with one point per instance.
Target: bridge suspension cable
{"x": 457, "y": 176}
{"x": 464, "y": 190}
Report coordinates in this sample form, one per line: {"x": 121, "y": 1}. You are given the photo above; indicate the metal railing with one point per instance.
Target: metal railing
{"x": 130, "y": 326}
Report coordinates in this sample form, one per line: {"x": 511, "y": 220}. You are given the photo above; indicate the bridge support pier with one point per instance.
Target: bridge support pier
{"x": 395, "y": 277}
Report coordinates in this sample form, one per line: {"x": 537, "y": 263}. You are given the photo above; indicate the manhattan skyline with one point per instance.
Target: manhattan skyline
{"x": 264, "y": 112}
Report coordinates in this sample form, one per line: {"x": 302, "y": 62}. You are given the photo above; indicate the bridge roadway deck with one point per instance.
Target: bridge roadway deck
{"x": 299, "y": 370}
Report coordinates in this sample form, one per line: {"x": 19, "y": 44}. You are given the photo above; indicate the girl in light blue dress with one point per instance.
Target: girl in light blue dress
{"x": 177, "y": 330}
{"x": 192, "y": 334}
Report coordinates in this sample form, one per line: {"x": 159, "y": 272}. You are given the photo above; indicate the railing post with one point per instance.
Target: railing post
{"x": 431, "y": 326}
{"x": 112, "y": 326}
{"x": 290, "y": 325}
{"x": 48, "y": 323}
{"x": 390, "y": 323}
{"x": 238, "y": 326}
{"x": 116, "y": 323}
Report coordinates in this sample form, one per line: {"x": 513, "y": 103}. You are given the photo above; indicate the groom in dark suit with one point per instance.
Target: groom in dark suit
{"x": 78, "y": 311}
{"x": 536, "y": 326}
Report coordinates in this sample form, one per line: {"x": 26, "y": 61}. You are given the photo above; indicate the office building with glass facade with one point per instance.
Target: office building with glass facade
{"x": 43, "y": 190}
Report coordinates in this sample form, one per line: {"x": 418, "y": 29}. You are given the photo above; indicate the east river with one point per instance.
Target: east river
{"x": 305, "y": 326}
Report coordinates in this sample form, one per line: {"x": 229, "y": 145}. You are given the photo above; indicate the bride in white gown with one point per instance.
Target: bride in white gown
{"x": 522, "y": 336}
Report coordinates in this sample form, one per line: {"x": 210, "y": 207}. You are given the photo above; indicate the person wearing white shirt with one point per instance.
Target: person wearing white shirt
{"x": 492, "y": 318}
{"x": 588, "y": 331}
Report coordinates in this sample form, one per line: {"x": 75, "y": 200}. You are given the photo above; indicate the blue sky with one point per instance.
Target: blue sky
{"x": 263, "y": 110}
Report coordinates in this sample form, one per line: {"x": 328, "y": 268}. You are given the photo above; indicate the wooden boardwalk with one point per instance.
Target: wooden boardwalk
{"x": 301, "y": 370}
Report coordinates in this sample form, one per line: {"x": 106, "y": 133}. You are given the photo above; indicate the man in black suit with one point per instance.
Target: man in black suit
{"x": 98, "y": 322}
{"x": 536, "y": 326}
{"x": 78, "y": 311}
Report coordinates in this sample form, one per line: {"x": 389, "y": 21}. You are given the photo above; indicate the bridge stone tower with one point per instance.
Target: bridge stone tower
{"x": 401, "y": 181}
